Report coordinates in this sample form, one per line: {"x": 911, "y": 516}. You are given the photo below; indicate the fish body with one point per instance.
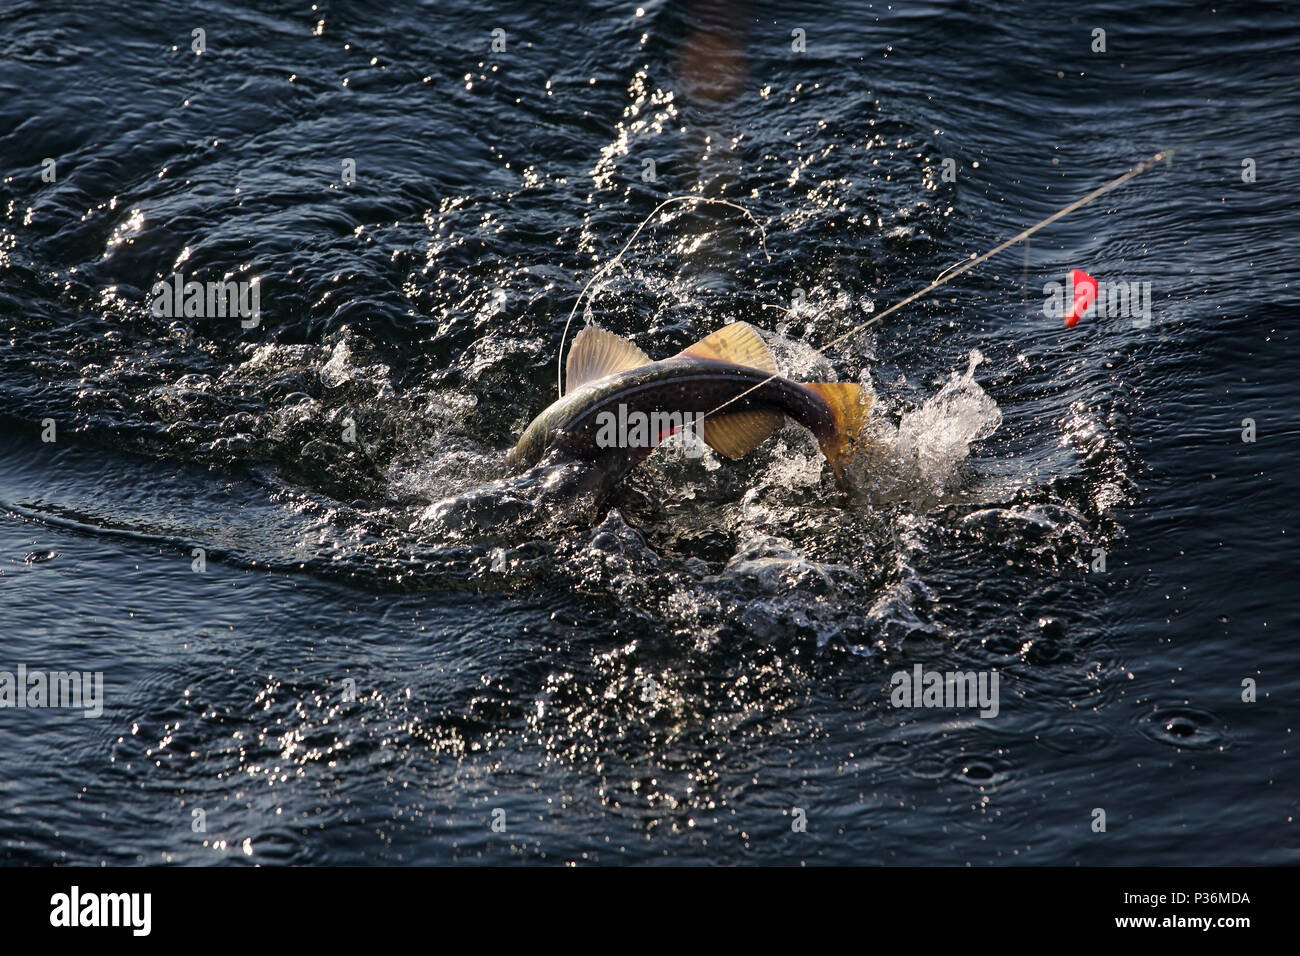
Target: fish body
{"x": 619, "y": 404}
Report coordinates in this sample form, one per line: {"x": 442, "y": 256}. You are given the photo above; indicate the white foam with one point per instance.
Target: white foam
{"x": 923, "y": 455}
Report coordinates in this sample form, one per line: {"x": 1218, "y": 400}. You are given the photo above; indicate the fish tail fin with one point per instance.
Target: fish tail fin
{"x": 849, "y": 406}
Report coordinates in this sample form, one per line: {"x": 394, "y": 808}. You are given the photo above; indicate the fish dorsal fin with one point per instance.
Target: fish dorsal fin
{"x": 597, "y": 353}
{"x": 737, "y": 343}
{"x": 738, "y": 433}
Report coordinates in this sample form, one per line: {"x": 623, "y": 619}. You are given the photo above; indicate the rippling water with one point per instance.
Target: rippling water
{"x": 700, "y": 667}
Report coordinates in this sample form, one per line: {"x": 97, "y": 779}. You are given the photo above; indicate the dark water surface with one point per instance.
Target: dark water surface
{"x": 706, "y": 662}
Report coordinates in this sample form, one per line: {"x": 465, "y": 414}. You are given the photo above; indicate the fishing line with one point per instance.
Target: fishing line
{"x": 953, "y": 272}
{"x": 762, "y": 240}
{"x": 1165, "y": 155}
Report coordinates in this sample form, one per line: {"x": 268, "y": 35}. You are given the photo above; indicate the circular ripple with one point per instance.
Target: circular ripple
{"x": 1183, "y": 727}
{"x": 1075, "y": 738}
{"x": 891, "y": 751}
{"x": 977, "y": 771}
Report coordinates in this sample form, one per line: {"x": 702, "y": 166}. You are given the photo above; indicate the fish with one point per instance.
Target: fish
{"x": 618, "y": 404}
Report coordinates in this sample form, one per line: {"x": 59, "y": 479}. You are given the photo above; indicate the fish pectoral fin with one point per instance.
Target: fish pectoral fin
{"x": 597, "y": 353}
{"x": 738, "y": 433}
{"x": 737, "y": 343}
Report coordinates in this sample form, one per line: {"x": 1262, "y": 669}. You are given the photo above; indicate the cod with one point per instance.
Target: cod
{"x": 725, "y": 387}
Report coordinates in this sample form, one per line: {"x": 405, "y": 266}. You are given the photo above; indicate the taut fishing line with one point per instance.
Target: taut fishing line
{"x": 951, "y": 273}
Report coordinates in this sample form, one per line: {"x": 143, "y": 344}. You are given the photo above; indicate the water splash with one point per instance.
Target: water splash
{"x": 922, "y": 458}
